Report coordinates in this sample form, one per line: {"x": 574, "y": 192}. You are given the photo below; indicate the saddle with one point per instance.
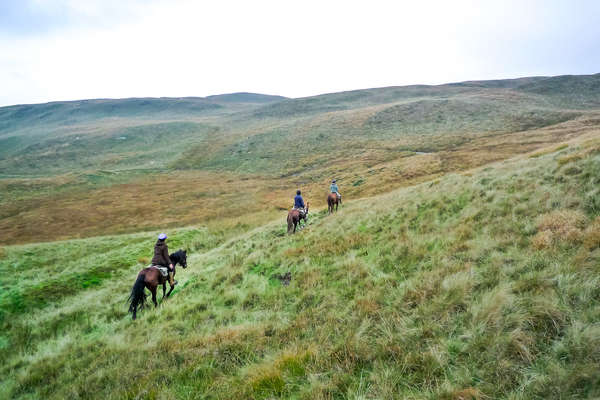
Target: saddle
{"x": 163, "y": 270}
{"x": 302, "y": 211}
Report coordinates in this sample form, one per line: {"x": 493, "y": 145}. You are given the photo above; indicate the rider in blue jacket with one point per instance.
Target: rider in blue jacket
{"x": 298, "y": 201}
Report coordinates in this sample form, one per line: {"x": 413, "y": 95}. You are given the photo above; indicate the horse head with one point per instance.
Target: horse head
{"x": 179, "y": 257}
{"x": 183, "y": 260}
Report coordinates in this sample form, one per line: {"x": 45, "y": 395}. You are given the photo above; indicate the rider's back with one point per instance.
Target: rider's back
{"x": 161, "y": 254}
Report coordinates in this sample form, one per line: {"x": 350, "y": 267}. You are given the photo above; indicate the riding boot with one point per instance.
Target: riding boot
{"x": 171, "y": 281}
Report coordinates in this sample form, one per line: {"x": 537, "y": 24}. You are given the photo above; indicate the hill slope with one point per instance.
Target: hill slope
{"x": 98, "y": 167}
{"x": 482, "y": 285}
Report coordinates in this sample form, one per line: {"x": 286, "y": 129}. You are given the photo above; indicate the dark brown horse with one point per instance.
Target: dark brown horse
{"x": 333, "y": 199}
{"x": 294, "y": 217}
{"x": 150, "y": 278}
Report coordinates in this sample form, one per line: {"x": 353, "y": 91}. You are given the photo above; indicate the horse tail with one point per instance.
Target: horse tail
{"x": 137, "y": 296}
{"x": 290, "y": 222}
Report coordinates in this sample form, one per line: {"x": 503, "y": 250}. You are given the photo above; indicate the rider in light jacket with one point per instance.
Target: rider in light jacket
{"x": 334, "y": 189}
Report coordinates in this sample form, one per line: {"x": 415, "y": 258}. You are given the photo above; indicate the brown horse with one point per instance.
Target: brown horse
{"x": 294, "y": 217}
{"x": 333, "y": 199}
{"x": 150, "y": 278}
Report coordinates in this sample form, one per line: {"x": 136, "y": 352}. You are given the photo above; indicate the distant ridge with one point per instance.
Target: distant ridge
{"x": 245, "y": 97}
{"x": 74, "y": 111}
{"x": 253, "y": 132}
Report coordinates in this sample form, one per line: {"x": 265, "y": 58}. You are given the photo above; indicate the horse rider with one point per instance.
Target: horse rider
{"x": 161, "y": 257}
{"x": 334, "y": 189}
{"x": 299, "y": 203}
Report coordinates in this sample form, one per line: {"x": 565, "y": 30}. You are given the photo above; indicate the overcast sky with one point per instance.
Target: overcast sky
{"x": 78, "y": 49}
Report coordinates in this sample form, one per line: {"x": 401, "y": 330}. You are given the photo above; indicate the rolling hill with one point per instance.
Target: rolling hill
{"x": 96, "y": 167}
{"x": 462, "y": 265}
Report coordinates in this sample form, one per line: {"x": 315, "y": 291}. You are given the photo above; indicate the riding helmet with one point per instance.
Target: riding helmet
{"x": 162, "y": 236}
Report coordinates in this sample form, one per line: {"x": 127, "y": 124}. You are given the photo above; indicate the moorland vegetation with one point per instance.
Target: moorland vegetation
{"x": 462, "y": 265}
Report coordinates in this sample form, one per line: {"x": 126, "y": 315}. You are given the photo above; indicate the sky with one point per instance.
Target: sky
{"x": 54, "y": 50}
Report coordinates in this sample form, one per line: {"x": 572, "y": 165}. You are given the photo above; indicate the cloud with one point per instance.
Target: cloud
{"x": 91, "y": 49}
{"x": 34, "y": 17}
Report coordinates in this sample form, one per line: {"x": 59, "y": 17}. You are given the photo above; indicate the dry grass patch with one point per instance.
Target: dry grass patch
{"x": 266, "y": 382}
{"x": 367, "y": 306}
{"x": 294, "y": 252}
{"x": 490, "y": 309}
{"x": 559, "y": 226}
{"x": 309, "y": 279}
{"x": 591, "y": 235}
{"x": 548, "y": 151}
{"x": 293, "y": 362}
{"x": 521, "y": 345}
{"x": 569, "y": 158}
{"x": 464, "y": 394}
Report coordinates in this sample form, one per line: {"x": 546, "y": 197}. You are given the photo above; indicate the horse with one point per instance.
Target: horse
{"x": 333, "y": 199}
{"x": 294, "y": 217}
{"x": 150, "y": 278}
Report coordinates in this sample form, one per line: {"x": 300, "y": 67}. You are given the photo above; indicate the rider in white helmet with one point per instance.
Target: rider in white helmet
{"x": 161, "y": 256}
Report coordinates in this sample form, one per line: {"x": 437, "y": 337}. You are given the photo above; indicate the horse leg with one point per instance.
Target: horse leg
{"x": 170, "y": 290}
{"x": 164, "y": 289}
{"x": 172, "y": 287}
{"x": 153, "y": 290}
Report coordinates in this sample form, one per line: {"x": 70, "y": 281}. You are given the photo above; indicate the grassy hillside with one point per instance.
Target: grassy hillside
{"x": 43, "y": 139}
{"x": 472, "y": 286}
{"x": 575, "y": 90}
{"x": 99, "y": 167}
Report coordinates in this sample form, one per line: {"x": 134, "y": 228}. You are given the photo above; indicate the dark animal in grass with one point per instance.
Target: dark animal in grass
{"x": 294, "y": 217}
{"x": 150, "y": 278}
{"x": 285, "y": 279}
{"x": 333, "y": 199}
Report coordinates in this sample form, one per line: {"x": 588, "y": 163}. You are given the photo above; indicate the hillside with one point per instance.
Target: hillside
{"x": 471, "y": 286}
{"x": 97, "y": 167}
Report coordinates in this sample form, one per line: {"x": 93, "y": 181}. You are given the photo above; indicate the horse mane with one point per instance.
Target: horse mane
{"x": 177, "y": 255}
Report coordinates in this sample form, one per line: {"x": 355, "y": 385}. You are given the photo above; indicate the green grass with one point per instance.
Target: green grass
{"x": 147, "y": 146}
{"x": 49, "y": 272}
{"x": 472, "y": 285}
{"x": 479, "y": 286}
